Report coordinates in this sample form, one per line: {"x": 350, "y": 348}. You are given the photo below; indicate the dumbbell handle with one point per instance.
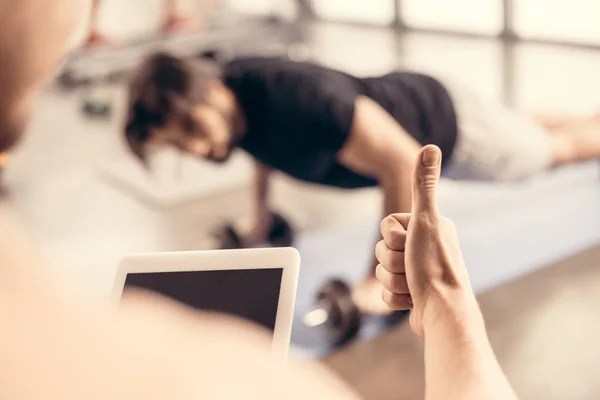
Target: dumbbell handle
{"x": 316, "y": 317}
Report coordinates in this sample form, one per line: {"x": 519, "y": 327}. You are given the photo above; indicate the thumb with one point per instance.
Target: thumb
{"x": 425, "y": 180}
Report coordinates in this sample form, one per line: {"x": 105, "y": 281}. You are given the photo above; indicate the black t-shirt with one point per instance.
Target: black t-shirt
{"x": 299, "y": 115}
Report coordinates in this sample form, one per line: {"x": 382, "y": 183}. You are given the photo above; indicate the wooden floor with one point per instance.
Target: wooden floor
{"x": 544, "y": 329}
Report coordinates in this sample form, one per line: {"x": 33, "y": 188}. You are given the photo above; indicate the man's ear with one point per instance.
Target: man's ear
{"x": 198, "y": 147}
{"x": 220, "y": 96}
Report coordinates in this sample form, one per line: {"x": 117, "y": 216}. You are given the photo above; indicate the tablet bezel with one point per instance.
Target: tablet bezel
{"x": 287, "y": 259}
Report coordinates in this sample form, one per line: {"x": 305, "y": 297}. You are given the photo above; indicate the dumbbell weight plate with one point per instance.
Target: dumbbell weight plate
{"x": 281, "y": 233}
{"x": 96, "y": 109}
{"x": 67, "y": 80}
{"x": 226, "y": 237}
{"x": 340, "y": 318}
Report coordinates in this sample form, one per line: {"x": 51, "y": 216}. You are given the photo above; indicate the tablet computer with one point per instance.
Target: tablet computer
{"x": 258, "y": 285}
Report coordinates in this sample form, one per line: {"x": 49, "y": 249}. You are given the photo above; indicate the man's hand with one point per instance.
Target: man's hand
{"x": 255, "y": 231}
{"x": 420, "y": 258}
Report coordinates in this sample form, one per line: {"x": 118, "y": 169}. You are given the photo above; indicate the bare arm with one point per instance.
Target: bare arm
{"x": 460, "y": 363}
{"x": 255, "y": 230}
{"x": 420, "y": 251}
{"x": 380, "y": 148}
{"x": 261, "y": 210}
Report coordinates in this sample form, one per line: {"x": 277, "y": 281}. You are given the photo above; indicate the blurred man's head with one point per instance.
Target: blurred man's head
{"x": 34, "y": 37}
{"x": 181, "y": 103}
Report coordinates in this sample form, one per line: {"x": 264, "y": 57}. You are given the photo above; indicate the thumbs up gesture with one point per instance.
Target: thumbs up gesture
{"x": 420, "y": 258}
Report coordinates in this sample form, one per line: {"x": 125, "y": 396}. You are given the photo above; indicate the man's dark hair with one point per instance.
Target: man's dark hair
{"x": 10, "y": 133}
{"x": 163, "y": 87}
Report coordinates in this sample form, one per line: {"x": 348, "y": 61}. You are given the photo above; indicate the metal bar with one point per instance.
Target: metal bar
{"x": 515, "y": 39}
{"x": 508, "y": 10}
{"x": 560, "y": 43}
{"x": 399, "y": 16}
{"x": 306, "y": 9}
{"x": 504, "y": 34}
{"x": 508, "y": 73}
{"x": 508, "y": 53}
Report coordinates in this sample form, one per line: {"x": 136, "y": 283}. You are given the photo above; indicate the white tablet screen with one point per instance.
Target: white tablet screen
{"x": 252, "y": 294}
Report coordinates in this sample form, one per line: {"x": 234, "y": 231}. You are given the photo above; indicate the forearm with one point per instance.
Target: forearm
{"x": 260, "y": 204}
{"x": 254, "y": 230}
{"x": 459, "y": 360}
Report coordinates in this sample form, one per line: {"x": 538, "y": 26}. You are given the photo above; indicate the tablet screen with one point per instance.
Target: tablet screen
{"x": 251, "y": 294}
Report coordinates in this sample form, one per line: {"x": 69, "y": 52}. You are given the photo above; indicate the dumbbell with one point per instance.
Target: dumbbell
{"x": 281, "y": 234}
{"x": 97, "y": 103}
{"x": 96, "y": 109}
{"x": 226, "y": 237}
{"x": 336, "y": 314}
{"x": 67, "y": 80}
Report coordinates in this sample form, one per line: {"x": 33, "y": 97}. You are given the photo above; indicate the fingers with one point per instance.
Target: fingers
{"x": 393, "y": 230}
{"x": 392, "y": 282}
{"x": 397, "y": 301}
{"x": 390, "y": 271}
{"x": 425, "y": 181}
{"x": 391, "y": 260}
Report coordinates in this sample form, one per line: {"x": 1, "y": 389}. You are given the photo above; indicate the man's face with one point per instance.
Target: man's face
{"x": 34, "y": 37}
{"x": 206, "y": 134}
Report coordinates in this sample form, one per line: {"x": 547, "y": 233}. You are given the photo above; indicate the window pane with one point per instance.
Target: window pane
{"x": 478, "y": 16}
{"x": 474, "y": 63}
{"x": 551, "y": 78}
{"x": 355, "y": 49}
{"x": 380, "y": 12}
{"x": 567, "y": 20}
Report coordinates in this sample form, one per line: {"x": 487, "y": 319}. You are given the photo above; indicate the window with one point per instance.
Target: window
{"x": 548, "y": 78}
{"x": 565, "y": 20}
{"x": 477, "y": 16}
{"x": 377, "y": 12}
{"x": 476, "y": 63}
{"x": 355, "y": 49}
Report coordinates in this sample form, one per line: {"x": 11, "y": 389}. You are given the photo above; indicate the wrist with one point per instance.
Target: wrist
{"x": 255, "y": 230}
{"x": 454, "y": 308}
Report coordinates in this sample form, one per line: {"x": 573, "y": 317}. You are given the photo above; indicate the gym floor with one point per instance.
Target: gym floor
{"x": 543, "y": 327}
{"x": 86, "y": 225}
